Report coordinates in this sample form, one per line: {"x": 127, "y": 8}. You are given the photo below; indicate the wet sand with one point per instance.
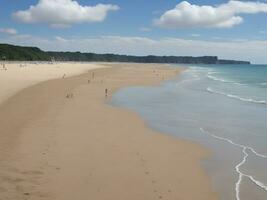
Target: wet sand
{"x": 60, "y": 140}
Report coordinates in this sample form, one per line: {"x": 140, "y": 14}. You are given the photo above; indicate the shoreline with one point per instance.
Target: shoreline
{"x": 55, "y": 146}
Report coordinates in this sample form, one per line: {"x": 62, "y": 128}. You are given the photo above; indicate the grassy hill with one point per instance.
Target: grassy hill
{"x": 18, "y": 53}
{"x": 10, "y": 52}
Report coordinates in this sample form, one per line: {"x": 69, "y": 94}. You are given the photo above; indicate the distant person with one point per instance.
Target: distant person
{"x": 106, "y": 93}
{"x": 70, "y": 95}
{"x": 4, "y": 66}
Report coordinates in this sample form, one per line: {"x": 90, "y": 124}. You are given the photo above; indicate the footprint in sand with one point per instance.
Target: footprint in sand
{"x": 143, "y": 161}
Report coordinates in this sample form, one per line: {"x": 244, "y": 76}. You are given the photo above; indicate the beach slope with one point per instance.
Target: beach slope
{"x": 60, "y": 140}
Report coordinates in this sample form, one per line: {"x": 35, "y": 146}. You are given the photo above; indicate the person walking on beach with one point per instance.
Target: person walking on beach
{"x": 4, "y": 67}
{"x": 106, "y": 93}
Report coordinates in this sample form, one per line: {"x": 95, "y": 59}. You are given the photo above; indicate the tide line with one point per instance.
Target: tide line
{"x": 241, "y": 175}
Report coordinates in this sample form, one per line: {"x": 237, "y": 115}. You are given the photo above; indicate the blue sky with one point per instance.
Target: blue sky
{"x": 231, "y": 30}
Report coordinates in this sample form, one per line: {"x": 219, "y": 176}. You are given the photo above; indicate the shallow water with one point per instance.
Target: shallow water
{"x": 223, "y": 107}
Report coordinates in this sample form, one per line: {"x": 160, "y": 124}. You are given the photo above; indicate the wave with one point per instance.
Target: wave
{"x": 193, "y": 77}
{"x": 233, "y": 96}
{"x": 241, "y": 175}
{"x": 189, "y": 80}
{"x": 210, "y": 76}
{"x": 197, "y": 69}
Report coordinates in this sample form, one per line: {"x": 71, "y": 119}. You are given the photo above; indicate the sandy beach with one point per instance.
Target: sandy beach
{"x": 15, "y": 76}
{"x": 61, "y": 140}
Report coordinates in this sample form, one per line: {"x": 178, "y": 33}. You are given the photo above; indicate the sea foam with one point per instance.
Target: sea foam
{"x": 233, "y": 96}
{"x": 214, "y": 78}
{"x": 241, "y": 175}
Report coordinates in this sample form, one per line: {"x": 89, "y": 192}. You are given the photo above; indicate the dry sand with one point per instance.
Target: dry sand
{"x": 80, "y": 148}
{"x": 15, "y": 76}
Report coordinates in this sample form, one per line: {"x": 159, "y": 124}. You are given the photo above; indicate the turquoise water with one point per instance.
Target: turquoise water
{"x": 223, "y": 107}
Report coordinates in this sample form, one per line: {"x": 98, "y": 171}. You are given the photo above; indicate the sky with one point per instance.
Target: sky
{"x": 229, "y": 29}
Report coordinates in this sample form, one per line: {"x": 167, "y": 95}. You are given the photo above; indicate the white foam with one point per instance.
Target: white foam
{"x": 190, "y": 80}
{"x": 239, "y": 165}
{"x": 209, "y": 75}
{"x": 194, "y": 77}
{"x": 197, "y": 69}
{"x": 209, "y": 89}
{"x": 256, "y": 153}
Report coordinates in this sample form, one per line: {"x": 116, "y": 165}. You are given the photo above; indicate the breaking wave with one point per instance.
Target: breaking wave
{"x": 233, "y": 96}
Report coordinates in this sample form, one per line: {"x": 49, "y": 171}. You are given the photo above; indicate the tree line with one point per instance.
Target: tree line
{"x": 20, "y": 53}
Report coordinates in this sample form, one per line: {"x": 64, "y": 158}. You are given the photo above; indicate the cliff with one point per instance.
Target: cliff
{"x": 19, "y": 53}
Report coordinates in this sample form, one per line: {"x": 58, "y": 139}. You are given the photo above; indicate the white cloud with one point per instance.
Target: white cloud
{"x": 10, "y": 31}
{"x": 253, "y": 50}
{"x": 145, "y": 29}
{"x": 63, "y": 13}
{"x": 216, "y": 38}
{"x": 195, "y": 35}
{"x": 222, "y": 16}
{"x": 60, "y": 39}
{"x": 263, "y": 32}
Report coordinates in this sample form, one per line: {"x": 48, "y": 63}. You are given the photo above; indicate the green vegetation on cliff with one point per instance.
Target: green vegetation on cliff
{"x": 18, "y": 53}
{"x": 10, "y": 52}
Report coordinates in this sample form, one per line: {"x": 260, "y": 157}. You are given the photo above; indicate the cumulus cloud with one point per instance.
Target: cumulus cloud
{"x": 222, "y": 16}
{"x": 63, "y": 13}
{"x": 10, "y": 31}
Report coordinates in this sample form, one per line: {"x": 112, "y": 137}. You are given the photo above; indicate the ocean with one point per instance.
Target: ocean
{"x": 224, "y": 108}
